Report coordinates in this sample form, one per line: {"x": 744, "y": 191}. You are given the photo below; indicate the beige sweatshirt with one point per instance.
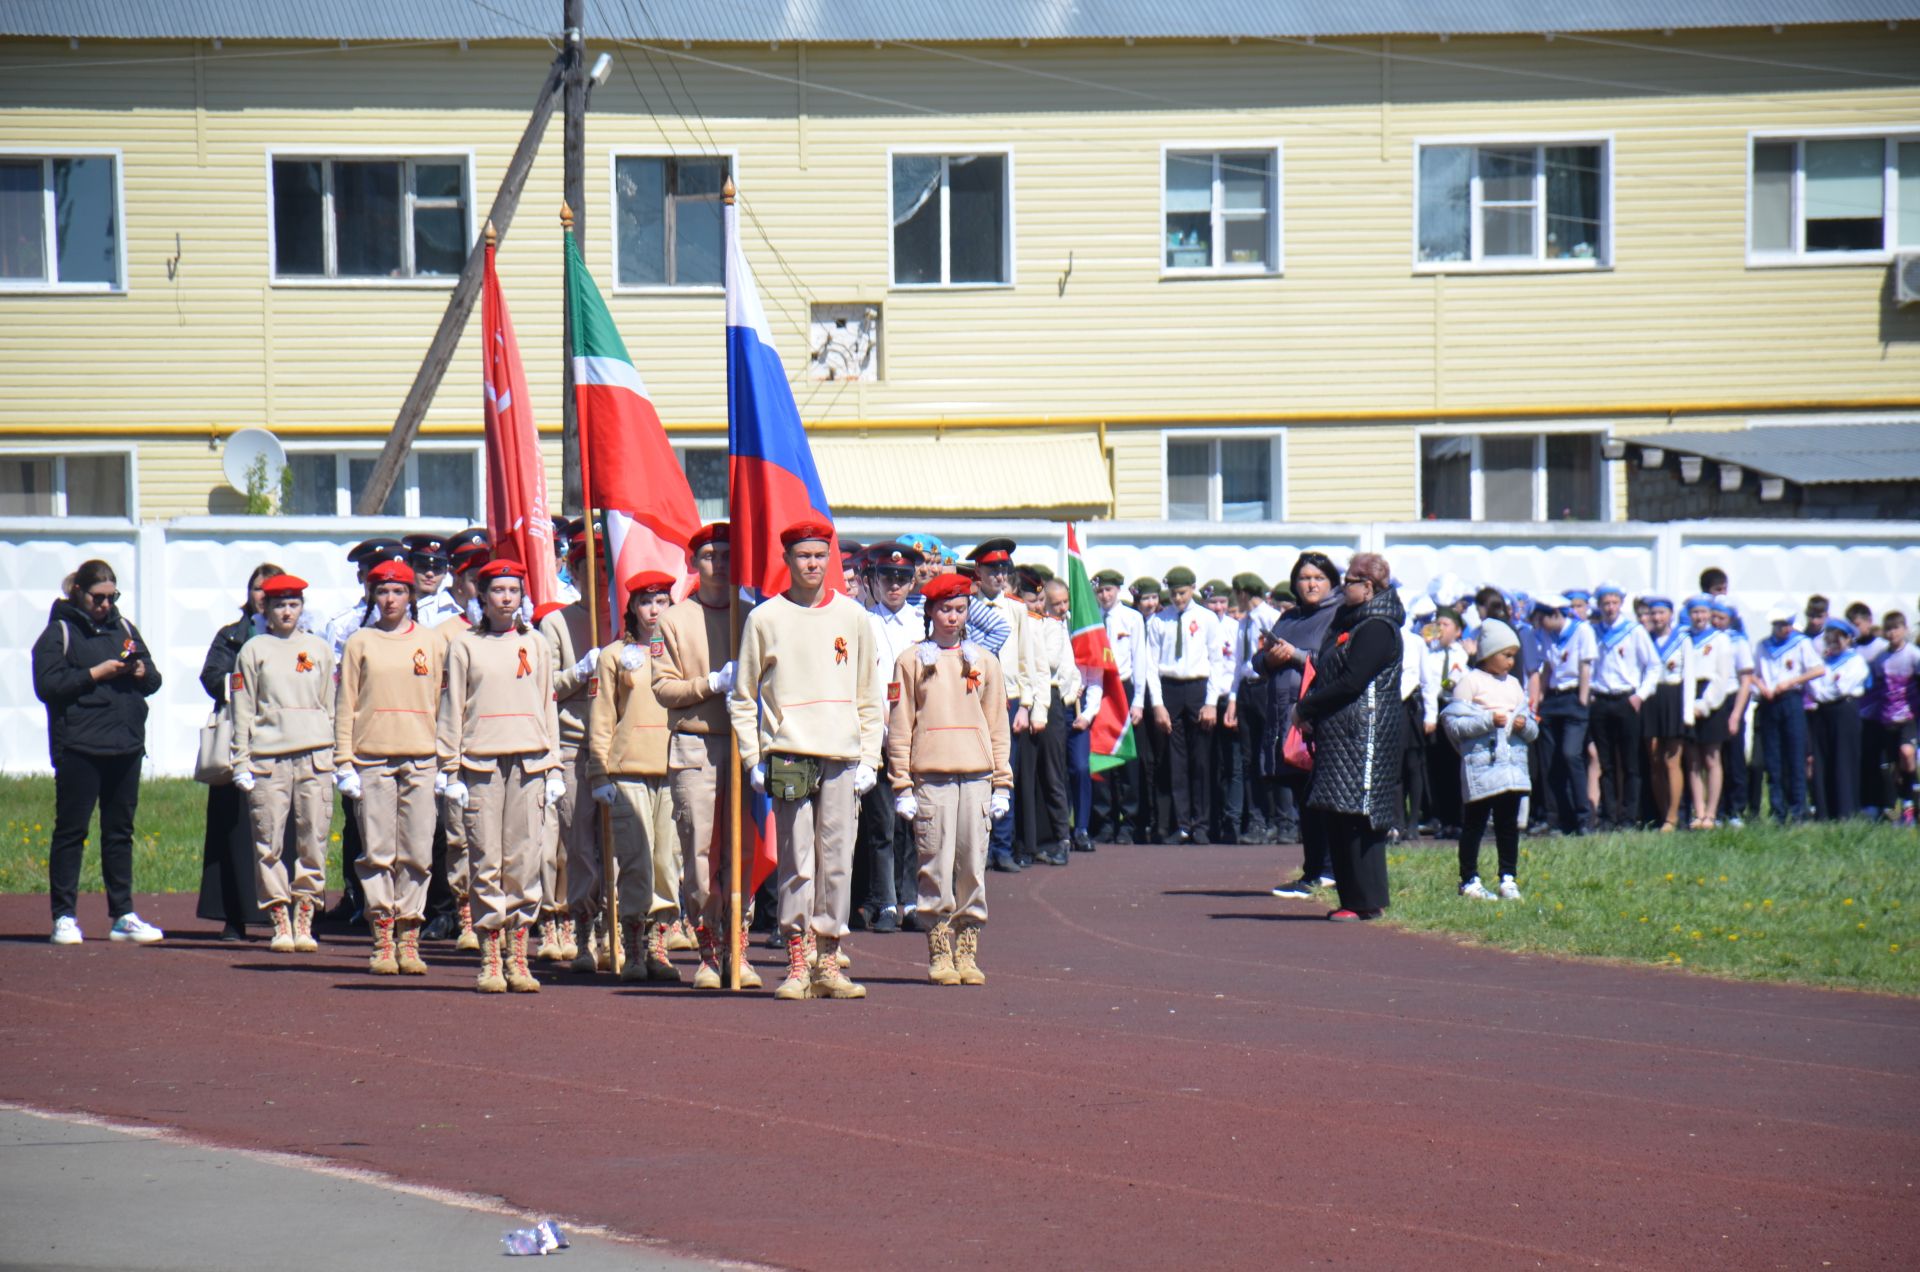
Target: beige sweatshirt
{"x": 570, "y": 632}
{"x": 949, "y": 716}
{"x": 499, "y": 701}
{"x": 694, "y": 641}
{"x": 1016, "y": 656}
{"x": 627, "y": 733}
{"x": 389, "y": 693}
{"x": 282, "y": 695}
{"x": 806, "y": 683}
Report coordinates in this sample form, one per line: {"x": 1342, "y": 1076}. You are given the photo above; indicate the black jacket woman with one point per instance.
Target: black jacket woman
{"x": 227, "y": 893}
{"x": 1291, "y": 643}
{"x": 1355, "y": 718}
{"x": 94, "y": 673}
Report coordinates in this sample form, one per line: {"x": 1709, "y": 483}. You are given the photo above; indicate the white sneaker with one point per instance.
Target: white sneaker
{"x": 131, "y": 927}
{"x": 66, "y": 931}
{"x": 1324, "y": 881}
{"x": 1472, "y": 888}
{"x": 1509, "y": 890}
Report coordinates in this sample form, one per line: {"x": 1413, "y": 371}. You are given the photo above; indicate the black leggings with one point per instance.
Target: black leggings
{"x": 1504, "y": 808}
{"x": 80, "y": 783}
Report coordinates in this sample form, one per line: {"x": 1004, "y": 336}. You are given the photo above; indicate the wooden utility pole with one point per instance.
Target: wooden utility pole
{"x": 574, "y": 148}
{"x": 433, "y": 368}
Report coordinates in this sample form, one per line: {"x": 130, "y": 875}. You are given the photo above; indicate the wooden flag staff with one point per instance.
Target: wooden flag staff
{"x": 734, "y": 793}
{"x": 610, "y": 892}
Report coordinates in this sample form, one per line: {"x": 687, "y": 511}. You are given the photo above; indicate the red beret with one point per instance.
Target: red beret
{"x": 391, "y": 572}
{"x": 944, "y": 587}
{"x": 650, "y": 581}
{"x": 502, "y": 569}
{"x": 717, "y": 532}
{"x": 541, "y": 611}
{"x": 803, "y": 531}
{"x": 283, "y": 585}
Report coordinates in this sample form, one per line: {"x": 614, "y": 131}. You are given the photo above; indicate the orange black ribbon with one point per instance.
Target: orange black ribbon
{"x": 526, "y": 668}
{"x": 839, "y": 650}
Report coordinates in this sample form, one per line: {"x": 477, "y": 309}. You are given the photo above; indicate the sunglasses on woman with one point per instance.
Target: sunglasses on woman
{"x": 103, "y": 598}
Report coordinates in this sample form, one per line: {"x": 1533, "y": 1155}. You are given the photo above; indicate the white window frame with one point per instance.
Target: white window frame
{"x": 1276, "y": 193}
{"x": 946, "y": 152}
{"x": 1276, "y": 469}
{"x": 409, "y": 155}
{"x": 345, "y": 450}
{"x": 1798, "y": 257}
{"x": 58, "y": 453}
{"x": 1602, "y": 433}
{"x": 51, "y": 286}
{"x": 1538, "y": 264}
{"x": 614, "y": 156}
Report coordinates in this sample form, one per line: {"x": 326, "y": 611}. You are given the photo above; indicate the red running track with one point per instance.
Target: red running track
{"x": 1166, "y": 1065}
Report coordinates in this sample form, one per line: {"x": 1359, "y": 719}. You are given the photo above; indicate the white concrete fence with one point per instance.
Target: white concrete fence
{"x": 182, "y": 580}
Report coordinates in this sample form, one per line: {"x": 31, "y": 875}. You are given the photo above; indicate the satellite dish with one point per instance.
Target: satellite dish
{"x": 244, "y": 449}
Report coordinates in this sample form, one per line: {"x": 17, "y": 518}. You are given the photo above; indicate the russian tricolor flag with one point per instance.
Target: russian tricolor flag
{"x": 771, "y": 480}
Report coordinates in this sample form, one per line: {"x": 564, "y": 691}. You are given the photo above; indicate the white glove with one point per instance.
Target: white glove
{"x": 556, "y": 789}
{"x": 456, "y": 792}
{"x": 605, "y": 793}
{"x": 721, "y": 681}
{"x": 863, "y": 779}
{"x": 584, "y": 668}
{"x": 906, "y": 806}
{"x": 347, "y": 780}
{"x": 243, "y": 779}
{"x": 1000, "y": 805}
{"x": 759, "y": 778}
{"x": 439, "y": 783}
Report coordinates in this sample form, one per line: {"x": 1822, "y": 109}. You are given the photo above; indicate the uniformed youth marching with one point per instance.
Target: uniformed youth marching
{"x": 570, "y": 885}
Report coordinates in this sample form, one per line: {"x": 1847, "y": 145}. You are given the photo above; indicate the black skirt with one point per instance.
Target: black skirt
{"x": 1713, "y": 730}
{"x": 1665, "y": 714}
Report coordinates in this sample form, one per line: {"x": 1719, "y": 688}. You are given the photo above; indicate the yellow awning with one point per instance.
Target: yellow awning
{"x": 962, "y": 475}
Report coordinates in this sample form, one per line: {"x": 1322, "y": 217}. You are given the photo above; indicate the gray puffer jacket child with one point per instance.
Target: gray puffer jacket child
{"x": 1492, "y": 760}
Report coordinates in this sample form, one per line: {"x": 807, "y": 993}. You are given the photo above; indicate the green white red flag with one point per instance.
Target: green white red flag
{"x": 1111, "y": 738}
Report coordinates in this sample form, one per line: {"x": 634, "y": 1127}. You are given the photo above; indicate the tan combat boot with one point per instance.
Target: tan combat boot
{"x": 828, "y": 980}
{"x": 963, "y": 959}
{"x": 519, "y": 979}
{"x": 303, "y": 942}
{"x": 411, "y": 964}
{"x": 798, "y": 983}
{"x": 813, "y": 953}
{"x": 749, "y": 979}
{"x": 680, "y": 936}
{"x": 569, "y": 946}
{"x": 586, "y": 958}
{"x": 940, "y": 968}
{"x": 491, "y": 979}
{"x": 469, "y": 939}
{"x": 707, "y": 975}
{"x": 549, "y": 951}
{"x": 659, "y": 966}
{"x": 282, "y": 929}
{"x": 632, "y": 940}
{"x": 383, "y": 962}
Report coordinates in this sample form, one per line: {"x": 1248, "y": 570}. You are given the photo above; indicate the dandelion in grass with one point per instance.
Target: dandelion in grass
{"x": 1733, "y": 936}
{"x": 1894, "y": 948}
{"x": 1695, "y": 934}
{"x": 1848, "y": 901}
{"x": 1767, "y": 903}
{"x": 1859, "y": 927}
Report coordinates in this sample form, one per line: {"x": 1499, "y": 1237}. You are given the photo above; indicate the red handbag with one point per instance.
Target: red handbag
{"x": 1294, "y": 748}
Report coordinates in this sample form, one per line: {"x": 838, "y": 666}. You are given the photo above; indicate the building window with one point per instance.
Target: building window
{"x": 669, "y": 228}
{"x": 1222, "y": 211}
{"x": 60, "y": 222}
{"x": 1514, "y": 205}
{"x": 369, "y": 218}
{"x": 706, "y": 470}
{"x": 1512, "y": 477}
{"x": 952, "y": 220}
{"x": 1223, "y": 478}
{"x": 1817, "y": 198}
{"x": 436, "y": 482}
{"x": 86, "y": 484}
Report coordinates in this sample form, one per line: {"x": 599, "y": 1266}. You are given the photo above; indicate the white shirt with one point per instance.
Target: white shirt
{"x": 1255, "y": 623}
{"x": 1125, "y": 632}
{"x": 1413, "y": 653}
{"x": 1844, "y": 677}
{"x": 894, "y": 631}
{"x": 1562, "y": 655}
{"x": 1773, "y": 663}
{"x": 1627, "y": 663}
{"x": 345, "y": 624}
{"x": 1054, "y": 644}
{"x": 1016, "y": 656}
{"x": 1440, "y": 670}
{"x": 431, "y": 611}
{"x": 1713, "y": 670}
{"x": 1675, "y": 652}
{"x": 1186, "y": 646}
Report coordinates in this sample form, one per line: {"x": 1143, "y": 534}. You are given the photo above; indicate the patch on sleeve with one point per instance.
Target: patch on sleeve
{"x": 593, "y": 686}
{"x": 893, "y": 691}
{"x": 656, "y": 648}
{"x": 236, "y": 683}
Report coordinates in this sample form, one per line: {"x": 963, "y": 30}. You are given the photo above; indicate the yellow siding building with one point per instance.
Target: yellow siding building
{"x": 1366, "y": 278}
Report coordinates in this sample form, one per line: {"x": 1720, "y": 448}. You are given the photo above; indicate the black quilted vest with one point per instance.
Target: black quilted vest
{"x": 1356, "y": 754}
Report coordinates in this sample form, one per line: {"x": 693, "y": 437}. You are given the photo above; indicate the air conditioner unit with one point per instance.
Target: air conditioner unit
{"x": 1906, "y": 278}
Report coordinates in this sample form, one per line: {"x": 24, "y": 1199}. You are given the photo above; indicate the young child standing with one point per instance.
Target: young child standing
{"x": 1489, "y": 722}
{"x": 1667, "y": 717}
{"x": 1889, "y": 713}
{"x": 947, "y": 746}
{"x": 1835, "y": 720}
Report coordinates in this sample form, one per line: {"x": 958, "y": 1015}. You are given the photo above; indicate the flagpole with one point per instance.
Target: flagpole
{"x": 610, "y": 893}
{"x": 734, "y": 793}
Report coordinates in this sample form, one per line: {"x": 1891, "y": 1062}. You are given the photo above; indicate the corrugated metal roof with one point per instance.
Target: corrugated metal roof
{"x": 988, "y": 474}
{"x": 1810, "y": 454}
{"x": 828, "y": 21}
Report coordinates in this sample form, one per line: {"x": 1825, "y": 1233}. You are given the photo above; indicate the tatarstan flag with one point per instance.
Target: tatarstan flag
{"x": 630, "y": 472}
{"x": 1111, "y": 743}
